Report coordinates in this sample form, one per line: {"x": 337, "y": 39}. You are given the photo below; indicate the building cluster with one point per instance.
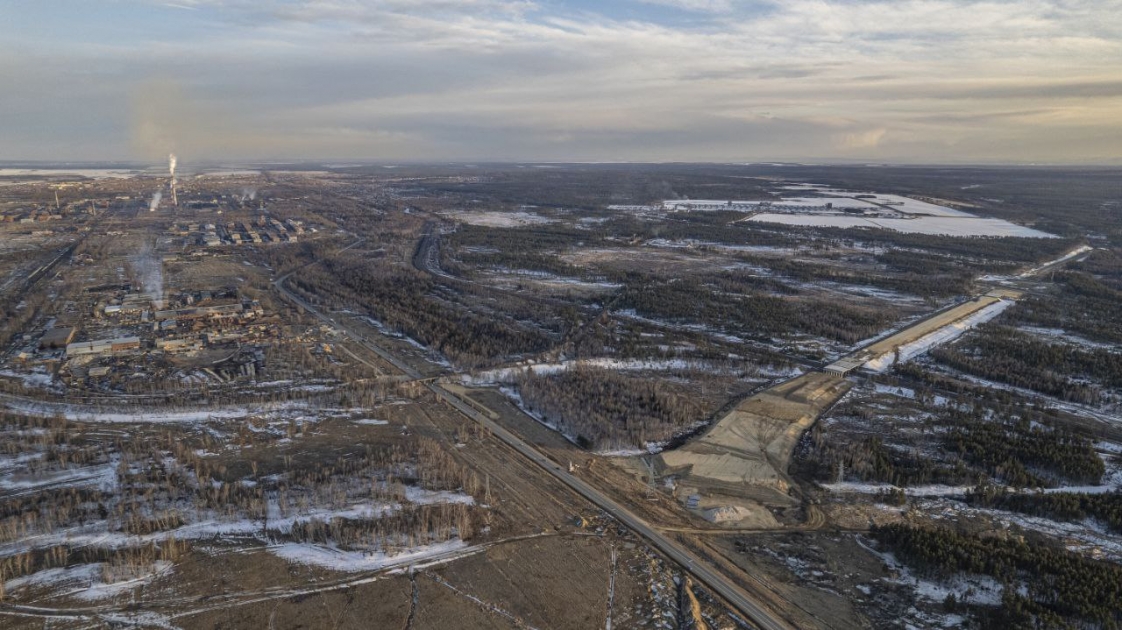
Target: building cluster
{"x": 20, "y": 215}
{"x": 126, "y": 323}
{"x": 263, "y": 230}
{"x": 45, "y": 214}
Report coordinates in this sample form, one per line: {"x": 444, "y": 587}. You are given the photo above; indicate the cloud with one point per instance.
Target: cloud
{"x": 704, "y": 6}
{"x": 511, "y": 79}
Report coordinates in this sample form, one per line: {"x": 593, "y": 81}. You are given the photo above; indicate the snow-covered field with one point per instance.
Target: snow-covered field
{"x": 975, "y": 589}
{"x": 933, "y": 225}
{"x": 104, "y": 476}
{"x": 507, "y": 375}
{"x": 1087, "y": 537}
{"x": 30, "y": 379}
{"x": 355, "y": 561}
{"x": 87, "y": 581}
{"x": 931, "y": 490}
{"x": 836, "y": 203}
{"x": 900, "y": 203}
{"x": 140, "y": 414}
{"x": 908, "y": 205}
{"x": 229, "y": 173}
{"x": 499, "y": 219}
{"x": 544, "y": 278}
{"x": 92, "y": 173}
{"x": 1059, "y": 335}
{"x": 689, "y": 243}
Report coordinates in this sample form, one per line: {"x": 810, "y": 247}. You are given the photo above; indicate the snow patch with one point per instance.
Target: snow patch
{"x": 355, "y": 561}
{"x": 938, "y": 337}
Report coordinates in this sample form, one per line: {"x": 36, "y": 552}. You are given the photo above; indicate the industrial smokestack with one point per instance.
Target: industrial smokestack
{"x": 57, "y": 205}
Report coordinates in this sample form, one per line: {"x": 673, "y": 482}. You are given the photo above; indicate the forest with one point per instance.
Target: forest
{"x": 1084, "y": 305}
{"x": 411, "y": 303}
{"x": 1024, "y": 450}
{"x": 1064, "y": 506}
{"x": 1020, "y": 447}
{"x": 720, "y": 301}
{"x": 917, "y": 274}
{"x": 1004, "y": 354}
{"x": 606, "y": 410}
{"x": 1045, "y": 586}
{"x": 165, "y": 480}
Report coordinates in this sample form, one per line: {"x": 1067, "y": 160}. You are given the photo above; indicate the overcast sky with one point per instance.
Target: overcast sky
{"x": 648, "y": 80}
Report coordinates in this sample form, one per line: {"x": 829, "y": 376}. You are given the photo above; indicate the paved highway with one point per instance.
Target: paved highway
{"x": 716, "y": 581}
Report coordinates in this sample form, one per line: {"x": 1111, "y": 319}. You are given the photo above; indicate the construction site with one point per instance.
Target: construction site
{"x": 745, "y": 454}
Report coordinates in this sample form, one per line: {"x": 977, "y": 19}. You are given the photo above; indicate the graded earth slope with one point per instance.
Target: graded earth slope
{"x": 745, "y": 454}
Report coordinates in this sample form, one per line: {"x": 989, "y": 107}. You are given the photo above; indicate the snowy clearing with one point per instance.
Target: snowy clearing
{"x": 355, "y": 561}
{"x": 86, "y": 581}
{"x": 932, "y": 490}
{"x": 1063, "y": 336}
{"x": 935, "y": 226}
{"x": 507, "y": 375}
{"x": 103, "y": 476}
{"x": 91, "y": 173}
{"x": 499, "y": 219}
{"x": 78, "y": 413}
{"x": 975, "y": 589}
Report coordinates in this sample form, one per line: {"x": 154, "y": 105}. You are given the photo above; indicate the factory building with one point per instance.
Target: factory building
{"x": 103, "y": 346}
{"x": 226, "y": 310}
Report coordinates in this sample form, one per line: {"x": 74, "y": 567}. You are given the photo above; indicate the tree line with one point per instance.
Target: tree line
{"x": 1005, "y": 354}
{"x": 1063, "y": 506}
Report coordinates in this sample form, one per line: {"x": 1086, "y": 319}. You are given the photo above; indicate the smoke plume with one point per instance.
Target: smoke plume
{"x": 155, "y": 201}
{"x": 171, "y": 169}
{"x": 149, "y": 271}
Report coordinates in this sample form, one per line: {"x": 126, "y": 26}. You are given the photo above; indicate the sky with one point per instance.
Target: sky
{"x": 882, "y": 81}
